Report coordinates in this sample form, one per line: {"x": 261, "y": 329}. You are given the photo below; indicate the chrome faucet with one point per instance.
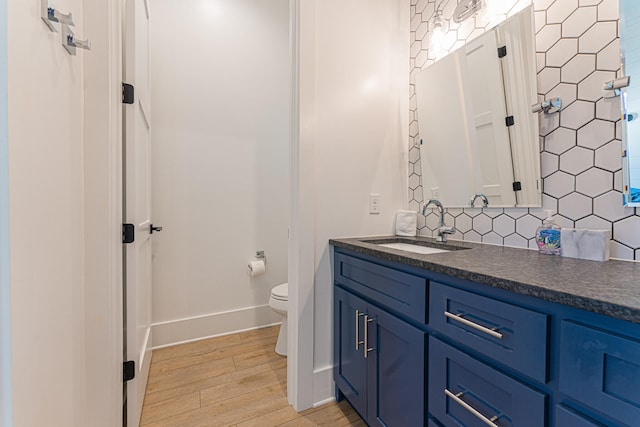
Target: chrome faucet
{"x": 443, "y": 230}
{"x": 485, "y": 201}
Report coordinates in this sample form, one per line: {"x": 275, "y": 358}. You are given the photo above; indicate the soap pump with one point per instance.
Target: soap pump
{"x": 548, "y": 236}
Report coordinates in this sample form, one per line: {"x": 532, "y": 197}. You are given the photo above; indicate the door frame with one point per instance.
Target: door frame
{"x": 103, "y": 211}
{"x": 5, "y": 288}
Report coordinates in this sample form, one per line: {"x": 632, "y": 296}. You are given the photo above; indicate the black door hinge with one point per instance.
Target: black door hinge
{"x": 128, "y": 370}
{"x": 517, "y": 186}
{"x": 127, "y": 93}
{"x": 502, "y": 52}
{"x": 509, "y": 121}
{"x": 128, "y": 233}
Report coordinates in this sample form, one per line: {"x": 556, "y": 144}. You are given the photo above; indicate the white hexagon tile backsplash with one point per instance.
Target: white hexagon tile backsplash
{"x": 577, "y": 50}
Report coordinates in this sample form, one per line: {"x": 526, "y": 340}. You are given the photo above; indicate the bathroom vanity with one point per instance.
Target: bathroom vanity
{"x": 484, "y": 335}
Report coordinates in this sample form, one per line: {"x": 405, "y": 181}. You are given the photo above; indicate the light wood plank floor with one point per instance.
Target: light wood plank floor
{"x": 236, "y": 380}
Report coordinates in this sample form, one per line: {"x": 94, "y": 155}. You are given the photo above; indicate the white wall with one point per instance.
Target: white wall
{"x": 5, "y": 306}
{"x": 354, "y": 123}
{"x": 45, "y": 129}
{"x": 220, "y": 93}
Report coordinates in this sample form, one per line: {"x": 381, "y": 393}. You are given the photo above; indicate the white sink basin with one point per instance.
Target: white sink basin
{"x": 425, "y": 250}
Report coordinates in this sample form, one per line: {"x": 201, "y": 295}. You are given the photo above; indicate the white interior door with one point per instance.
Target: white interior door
{"x": 137, "y": 148}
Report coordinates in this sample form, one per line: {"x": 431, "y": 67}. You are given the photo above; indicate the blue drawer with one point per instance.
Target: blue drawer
{"x": 473, "y": 386}
{"x": 601, "y": 370}
{"x": 504, "y": 332}
{"x": 566, "y": 417}
{"x": 401, "y": 292}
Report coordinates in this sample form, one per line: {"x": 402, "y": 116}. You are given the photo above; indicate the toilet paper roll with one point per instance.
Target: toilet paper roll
{"x": 256, "y": 268}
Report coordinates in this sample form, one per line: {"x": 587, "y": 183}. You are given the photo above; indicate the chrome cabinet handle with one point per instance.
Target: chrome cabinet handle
{"x": 459, "y": 318}
{"x": 358, "y": 342}
{"x": 367, "y": 320}
{"x": 471, "y": 409}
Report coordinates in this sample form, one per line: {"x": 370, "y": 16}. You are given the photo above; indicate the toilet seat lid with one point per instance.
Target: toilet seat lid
{"x": 281, "y": 291}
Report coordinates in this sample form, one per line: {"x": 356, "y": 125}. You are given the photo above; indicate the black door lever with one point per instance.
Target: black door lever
{"x": 152, "y": 229}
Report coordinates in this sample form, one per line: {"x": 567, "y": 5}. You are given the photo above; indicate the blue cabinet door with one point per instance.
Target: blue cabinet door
{"x": 397, "y": 373}
{"x": 350, "y": 371}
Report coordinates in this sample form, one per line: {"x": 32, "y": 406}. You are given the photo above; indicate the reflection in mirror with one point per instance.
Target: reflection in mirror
{"x": 464, "y": 102}
{"x": 630, "y": 50}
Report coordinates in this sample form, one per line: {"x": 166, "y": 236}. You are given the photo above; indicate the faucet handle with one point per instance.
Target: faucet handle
{"x": 448, "y": 230}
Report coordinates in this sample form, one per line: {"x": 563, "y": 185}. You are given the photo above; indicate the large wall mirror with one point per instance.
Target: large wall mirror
{"x": 476, "y": 128}
{"x": 630, "y": 51}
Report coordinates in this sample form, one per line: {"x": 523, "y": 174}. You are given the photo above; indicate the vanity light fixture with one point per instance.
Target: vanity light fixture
{"x": 466, "y": 9}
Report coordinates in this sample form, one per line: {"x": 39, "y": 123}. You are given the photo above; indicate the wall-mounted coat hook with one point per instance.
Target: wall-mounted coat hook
{"x": 548, "y": 106}
{"x": 50, "y": 15}
{"x": 611, "y": 89}
{"x": 70, "y": 43}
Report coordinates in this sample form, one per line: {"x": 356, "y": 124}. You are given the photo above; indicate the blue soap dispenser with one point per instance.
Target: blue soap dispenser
{"x": 548, "y": 236}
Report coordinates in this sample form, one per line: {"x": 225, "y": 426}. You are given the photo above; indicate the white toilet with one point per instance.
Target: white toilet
{"x": 278, "y": 302}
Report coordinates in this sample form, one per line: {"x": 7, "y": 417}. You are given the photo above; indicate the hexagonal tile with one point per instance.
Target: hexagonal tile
{"x": 577, "y": 114}
{"x": 584, "y": 3}
{"x": 563, "y": 221}
{"x": 620, "y": 251}
{"x": 542, "y": 5}
{"x": 482, "y": 224}
{"x": 414, "y": 205}
{"x": 527, "y": 226}
{"x": 594, "y": 182}
{"x": 619, "y": 129}
{"x": 561, "y": 10}
{"x": 560, "y": 140}
{"x": 548, "y": 78}
{"x": 540, "y": 18}
{"x": 576, "y": 160}
{"x": 504, "y": 225}
{"x": 608, "y": 10}
{"x": 455, "y": 212}
{"x": 568, "y": 92}
{"x": 579, "y": 21}
{"x": 617, "y": 181}
{"x": 473, "y": 212}
{"x": 414, "y": 181}
{"x": 547, "y": 37}
{"x": 472, "y": 236}
{"x": 432, "y": 221}
{"x": 590, "y": 89}
{"x": 549, "y": 163}
{"x": 609, "y": 206}
{"x": 559, "y": 184}
{"x": 492, "y": 239}
{"x": 492, "y": 212}
{"x": 627, "y": 231}
{"x": 596, "y": 133}
{"x": 516, "y": 241}
{"x": 548, "y": 123}
{"x": 608, "y": 109}
{"x": 575, "y": 206}
{"x": 609, "y": 156}
{"x": 609, "y": 57}
{"x": 414, "y": 154}
{"x": 579, "y": 67}
{"x": 463, "y": 223}
{"x": 516, "y": 213}
{"x": 593, "y": 222}
{"x": 562, "y": 52}
{"x": 597, "y": 37}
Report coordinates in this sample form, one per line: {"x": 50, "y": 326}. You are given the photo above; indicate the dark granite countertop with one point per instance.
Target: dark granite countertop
{"x": 611, "y": 288}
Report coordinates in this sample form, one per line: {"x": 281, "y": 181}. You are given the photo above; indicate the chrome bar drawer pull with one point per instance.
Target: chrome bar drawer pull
{"x": 459, "y": 318}
{"x": 471, "y": 409}
{"x": 367, "y": 320}
{"x": 358, "y": 342}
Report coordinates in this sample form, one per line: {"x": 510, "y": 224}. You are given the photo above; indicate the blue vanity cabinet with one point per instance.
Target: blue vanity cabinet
{"x": 379, "y": 357}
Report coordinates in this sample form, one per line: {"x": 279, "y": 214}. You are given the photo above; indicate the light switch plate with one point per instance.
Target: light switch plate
{"x": 374, "y": 204}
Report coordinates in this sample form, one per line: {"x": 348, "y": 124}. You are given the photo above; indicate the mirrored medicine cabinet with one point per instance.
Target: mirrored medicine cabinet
{"x": 476, "y": 129}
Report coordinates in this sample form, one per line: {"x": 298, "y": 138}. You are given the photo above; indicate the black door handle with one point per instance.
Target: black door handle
{"x": 152, "y": 229}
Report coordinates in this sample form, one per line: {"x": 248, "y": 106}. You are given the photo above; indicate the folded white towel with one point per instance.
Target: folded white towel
{"x": 406, "y": 223}
{"x": 594, "y": 245}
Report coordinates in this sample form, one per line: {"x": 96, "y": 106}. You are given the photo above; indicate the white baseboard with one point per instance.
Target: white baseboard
{"x": 323, "y": 386}
{"x": 196, "y": 328}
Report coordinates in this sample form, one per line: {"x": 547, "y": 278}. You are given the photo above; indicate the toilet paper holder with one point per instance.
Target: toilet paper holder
{"x": 261, "y": 256}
